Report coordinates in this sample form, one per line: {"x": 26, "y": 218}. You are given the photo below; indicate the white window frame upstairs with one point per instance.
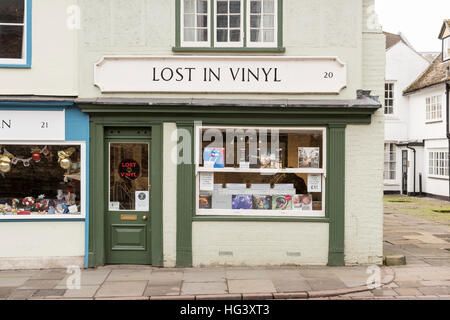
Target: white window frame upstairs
{"x": 391, "y": 88}
{"x": 446, "y": 49}
{"x": 262, "y": 44}
{"x": 229, "y": 44}
{"x": 433, "y": 106}
{"x": 206, "y": 43}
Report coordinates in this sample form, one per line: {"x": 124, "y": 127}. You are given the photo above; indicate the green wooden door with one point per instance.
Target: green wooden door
{"x": 128, "y": 187}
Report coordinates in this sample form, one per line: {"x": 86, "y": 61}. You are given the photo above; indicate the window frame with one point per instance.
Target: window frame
{"x": 386, "y": 98}
{"x": 446, "y": 49}
{"x": 388, "y": 161}
{"x": 251, "y": 44}
{"x": 437, "y": 164}
{"x": 212, "y": 45}
{"x": 429, "y": 111}
{"x": 258, "y": 213}
{"x": 229, "y": 44}
{"x": 25, "y": 61}
{"x": 208, "y": 28}
{"x": 83, "y": 182}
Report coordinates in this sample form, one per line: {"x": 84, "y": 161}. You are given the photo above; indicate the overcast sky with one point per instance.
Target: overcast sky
{"x": 419, "y": 20}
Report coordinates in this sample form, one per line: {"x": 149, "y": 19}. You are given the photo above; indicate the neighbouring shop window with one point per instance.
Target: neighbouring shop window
{"x": 235, "y": 23}
{"x": 129, "y": 177}
{"x": 438, "y": 163}
{"x": 13, "y": 31}
{"x": 388, "y": 98}
{"x": 40, "y": 180}
{"x": 261, "y": 171}
{"x": 389, "y": 161}
{"x": 434, "y": 108}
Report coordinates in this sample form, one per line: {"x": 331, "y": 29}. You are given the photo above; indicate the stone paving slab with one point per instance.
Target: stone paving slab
{"x": 202, "y": 275}
{"x": 83, "y": 292}
{"x": 49, "y": 293}
{"x": 121, "y": 289}
{"x": 12, "y": 281}
{"x": 39, "y": 284}
{"x": 199, "y": 288}
{"x": 129, "y": 275}
{"x": 21, "y": 294}
{"x": 5, "y": 292}
{"x": 251, "y": 286}
{"x": 162, "y": 291}
{"x": 325, "y": 284}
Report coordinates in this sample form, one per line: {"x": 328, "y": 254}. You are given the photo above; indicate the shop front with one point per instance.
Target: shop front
{"x": 221, "y": 182}
{"x": 43, "y": 176}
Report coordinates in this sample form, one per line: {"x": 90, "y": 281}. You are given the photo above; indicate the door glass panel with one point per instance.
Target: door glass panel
{"x": 129, "y": 177}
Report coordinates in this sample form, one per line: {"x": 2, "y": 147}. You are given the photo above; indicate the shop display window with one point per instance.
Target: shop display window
{"x": 260, "y": 171}
{"x": 41, "y": 181}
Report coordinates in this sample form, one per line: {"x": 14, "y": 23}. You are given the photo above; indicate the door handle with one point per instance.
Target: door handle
{"x": 144, "y": 218}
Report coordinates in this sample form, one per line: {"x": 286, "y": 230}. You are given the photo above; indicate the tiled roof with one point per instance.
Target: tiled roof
{"x": 435, "y": 74}
{"x": 392, "y": 39}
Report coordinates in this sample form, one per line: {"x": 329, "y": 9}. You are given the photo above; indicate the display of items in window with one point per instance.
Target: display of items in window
{"x": 40, "y": 180}
{"x": 260, "y": 196}
{"x": 214, "y": 157}
{"x": 262, "y": 149}
{"x": 308, "y": 157}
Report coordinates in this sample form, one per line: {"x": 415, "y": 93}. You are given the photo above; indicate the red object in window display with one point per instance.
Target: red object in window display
{"x": 36, "y": 157}
{"x": 23, "y": 213}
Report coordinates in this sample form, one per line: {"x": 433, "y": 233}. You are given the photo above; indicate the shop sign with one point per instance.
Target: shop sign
{"x": 258, "y": 74}
{"x": 32, "y": 125}
{"x": 129, "y": 169}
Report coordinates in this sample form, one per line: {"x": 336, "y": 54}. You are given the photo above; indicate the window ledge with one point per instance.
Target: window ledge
{"x": 19, "y": 66}
{"x": 261, "y": 219}
{"x": 433, "y": 121}
{"x": 391, "y": 183}
{"x": 219, "y": 50}
{"x": 438, "y": 177}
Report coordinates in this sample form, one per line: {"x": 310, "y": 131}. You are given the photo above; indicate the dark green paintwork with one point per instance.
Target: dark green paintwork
{"x": 335, "y": 119}
{"x": 121, "y": 245}
{"x": 97, "y": 236}
{"x": 185, "y": 203}
{"x": 335, "y": 192}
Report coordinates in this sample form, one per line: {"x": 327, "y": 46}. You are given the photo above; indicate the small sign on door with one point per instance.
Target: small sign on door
{"x": 142, "y": 200}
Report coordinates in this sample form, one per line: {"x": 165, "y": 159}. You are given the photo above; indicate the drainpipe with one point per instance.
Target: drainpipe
{"x": 414, "y": 150}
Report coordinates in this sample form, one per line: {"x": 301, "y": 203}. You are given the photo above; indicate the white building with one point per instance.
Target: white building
{"x": 403, "y": 65}
{"x": 416, "y": 149}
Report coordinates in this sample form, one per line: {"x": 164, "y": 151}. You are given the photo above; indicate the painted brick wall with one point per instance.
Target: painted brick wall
{"x": 364, "y": 160}
{"x": 259, "y": 243}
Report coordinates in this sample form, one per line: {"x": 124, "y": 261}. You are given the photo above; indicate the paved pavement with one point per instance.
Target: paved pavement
{"x": 202, "y": 283}
{"x": 426, "y": 245}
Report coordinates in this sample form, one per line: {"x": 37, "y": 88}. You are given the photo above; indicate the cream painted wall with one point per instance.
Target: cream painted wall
{"x": 123, "y": 27}
{"x": 54, "y": 67}
{"x": 311, "y": 28}
{"x": 41, "y": 244}
{"x": 259, "y": 243}
{"x": 169, "y": 196}
{"x": 364, "y": 163}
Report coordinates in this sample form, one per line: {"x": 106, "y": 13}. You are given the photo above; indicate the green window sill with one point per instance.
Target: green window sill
{"x": 261, "y": 219}
{"x": 234, "y": 50}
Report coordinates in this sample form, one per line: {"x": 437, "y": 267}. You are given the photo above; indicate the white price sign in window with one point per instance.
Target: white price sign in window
{"x": 314, "y": 183}
{"x": 32, "y": 125}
